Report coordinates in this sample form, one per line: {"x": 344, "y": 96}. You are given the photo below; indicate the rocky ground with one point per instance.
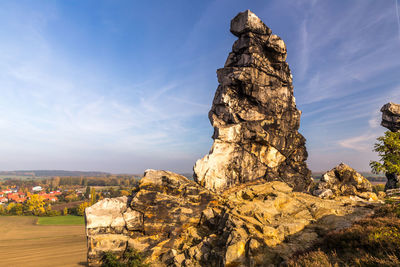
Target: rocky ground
{"x": 176, "y": 222}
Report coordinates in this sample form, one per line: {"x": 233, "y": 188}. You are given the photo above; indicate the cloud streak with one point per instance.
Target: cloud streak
{"x": 398, "y": 17}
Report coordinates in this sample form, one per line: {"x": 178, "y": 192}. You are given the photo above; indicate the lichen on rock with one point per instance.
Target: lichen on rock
{"x": 254, "y": 115}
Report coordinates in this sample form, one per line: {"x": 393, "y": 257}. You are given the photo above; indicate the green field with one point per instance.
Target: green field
{"x": 61, "y": 220}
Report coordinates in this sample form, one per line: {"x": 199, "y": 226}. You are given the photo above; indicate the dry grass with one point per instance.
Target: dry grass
{"x": 23, "y": 243}
{"x": 374, "y": 241}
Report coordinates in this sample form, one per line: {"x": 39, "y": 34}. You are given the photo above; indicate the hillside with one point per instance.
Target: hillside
{"x": 47, "y": 173}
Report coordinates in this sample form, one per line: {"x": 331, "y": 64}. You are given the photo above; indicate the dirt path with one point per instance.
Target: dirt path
{"x": 23, "y": 243}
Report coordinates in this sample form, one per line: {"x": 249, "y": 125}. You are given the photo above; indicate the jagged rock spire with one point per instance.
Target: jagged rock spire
{"x": 254, "y": 115}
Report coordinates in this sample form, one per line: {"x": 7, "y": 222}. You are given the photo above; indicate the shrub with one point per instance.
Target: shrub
{"x": 82, "y": 207}
{"x": 378, "y": 188}
{"x": 130, "y": 258}
{"x": 110, "y": 260}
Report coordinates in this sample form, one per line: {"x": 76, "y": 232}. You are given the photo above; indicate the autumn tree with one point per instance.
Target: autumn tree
{"x": 92, "y": 196}
{"x": 14, "y": 209}
{"x": 87, "y": 193}
{"x": 35, "y": 205}
{"x": 55, "y": 182}
{"x": 82, "y": 207}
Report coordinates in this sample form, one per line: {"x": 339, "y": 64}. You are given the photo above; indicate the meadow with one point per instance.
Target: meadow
{"x": 61, "y": 220}
{"x": 55, "y": 241}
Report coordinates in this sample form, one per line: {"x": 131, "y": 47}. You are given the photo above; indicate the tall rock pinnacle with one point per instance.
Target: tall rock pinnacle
{"x": 254, "y": 115}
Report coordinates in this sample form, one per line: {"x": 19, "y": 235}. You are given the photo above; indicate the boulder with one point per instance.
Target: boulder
{"x": 393, "y": 181}
{"x": 254, "y": 115}
{"x": 344, "y": 181}
{"x": 391, "y": 116}
{"x": 246, "y": 22}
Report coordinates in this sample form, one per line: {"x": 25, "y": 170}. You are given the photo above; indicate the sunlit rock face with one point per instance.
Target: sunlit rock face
{"x": 174, "y": 221}
{"x": 391, "y": 116}
{"x": 254, "y": 115}
{"x": 164, "y": 205}
{"x": 344, "y": 181}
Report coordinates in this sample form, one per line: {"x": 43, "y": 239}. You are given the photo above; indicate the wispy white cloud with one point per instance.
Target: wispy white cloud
{"x": 397, "y": 16}
{"x": 304, "y": 50}
{"x": 344, "y": 53}
{"x": 358, "y": 143}
{"x": 51, "y": 105}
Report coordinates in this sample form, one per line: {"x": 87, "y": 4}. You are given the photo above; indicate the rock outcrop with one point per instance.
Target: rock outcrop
{"x": 175, "y": 222}
{"x": 391, "y": 116}
{"x": 344, "y": 181}
{"x": 391, "y": 120}
{"x": 254, "y": 115}
{"x": 163, "y": 205}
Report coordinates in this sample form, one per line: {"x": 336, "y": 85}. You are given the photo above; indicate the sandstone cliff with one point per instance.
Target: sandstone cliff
{"x": 254, "y": 115}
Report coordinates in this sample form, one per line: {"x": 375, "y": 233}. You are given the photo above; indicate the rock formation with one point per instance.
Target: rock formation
{"x": 254, "y": 115}
{"x": 176, "y": 222}
{"x": 163, "y": 205}
{"x": 344, "y": 181}
{"x": 391, "y": 116}
{"x": 244, "y": 209}
{"x": 391, "y": 120}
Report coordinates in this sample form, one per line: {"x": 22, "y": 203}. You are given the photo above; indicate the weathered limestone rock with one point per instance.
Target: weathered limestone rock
{"x": 265, "y": 224}
{"x": 106, "y": 228}
{"x": 391, "y": 116}
{"x": 254, "y": 115}
{"x": 162, "y": 207}
{"x": 344, "y": 181}
{"x": 175, "y": 222}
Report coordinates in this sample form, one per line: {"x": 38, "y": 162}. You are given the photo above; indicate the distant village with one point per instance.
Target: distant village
{"x": 17, "y": 196}
{"x": 59, "y": 195}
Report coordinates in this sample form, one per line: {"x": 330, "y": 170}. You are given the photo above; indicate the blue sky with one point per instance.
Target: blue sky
{"x": 122, "y": 86}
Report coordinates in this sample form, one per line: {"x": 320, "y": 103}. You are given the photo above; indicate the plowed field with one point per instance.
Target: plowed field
{"x": 23, "y": 243}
